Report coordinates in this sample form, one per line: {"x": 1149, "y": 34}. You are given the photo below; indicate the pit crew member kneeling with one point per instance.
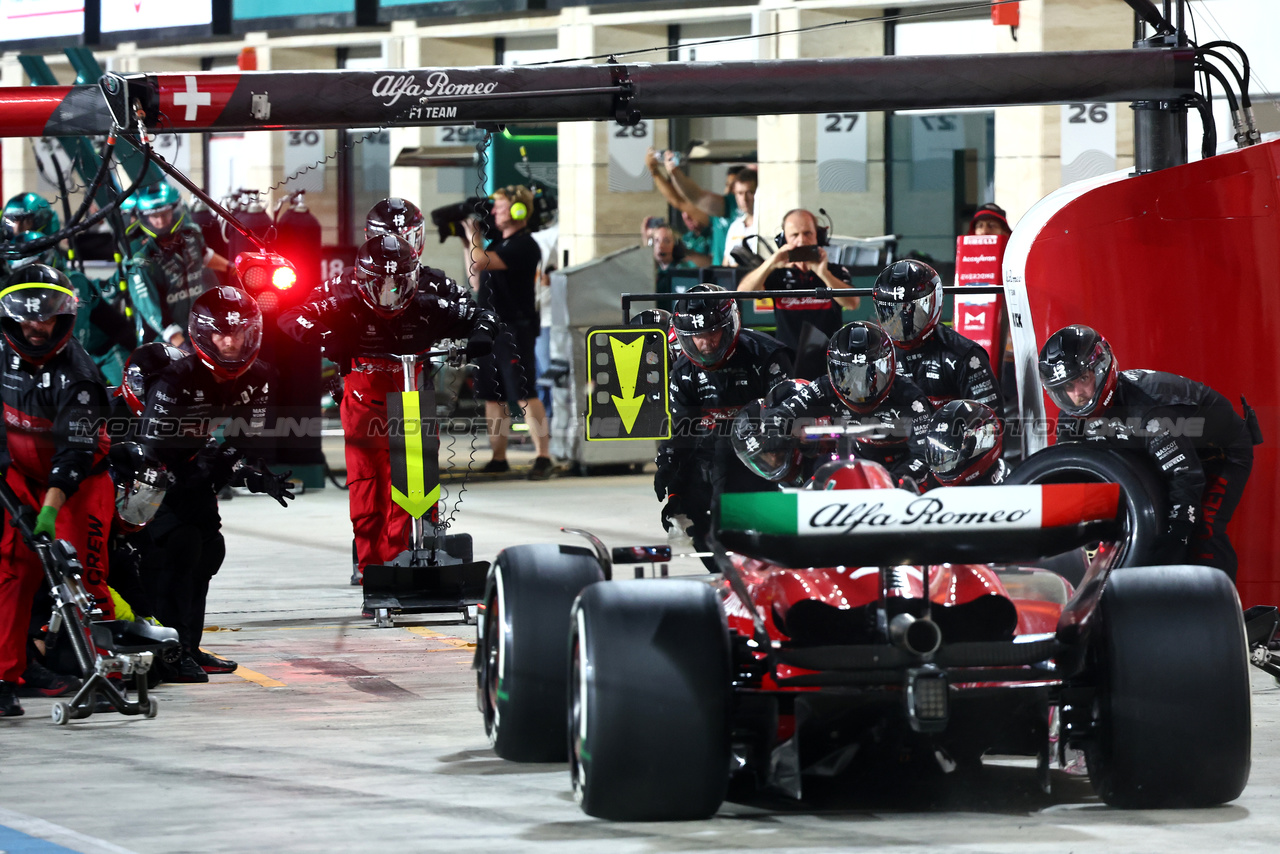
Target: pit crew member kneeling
{"x": 861, "y": 387}
{"x": 380, "y": 307}
{"x": 1201, "y": 448}
{"x": 722, "y": 367}
{"x": 53, "y": 442}
{"x": 222, "y": 384}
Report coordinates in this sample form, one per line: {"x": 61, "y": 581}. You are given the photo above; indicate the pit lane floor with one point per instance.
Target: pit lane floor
{"x": 336, "y": 736}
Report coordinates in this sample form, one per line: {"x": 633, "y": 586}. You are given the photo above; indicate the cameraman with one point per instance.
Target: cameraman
{"x": 800, "y": 264}
{"x": 504, "y": 277}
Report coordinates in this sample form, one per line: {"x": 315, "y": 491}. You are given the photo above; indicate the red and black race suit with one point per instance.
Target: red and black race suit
{"x": 698, "y": 461}
{"x": 349, "y": 331}
{"x": 54, "y": 436}
{"x": 903, "y": 414}
{"x": 947, "y": 366}
{"x": 337, "y": 319}
{"x": 1199, "y": 445}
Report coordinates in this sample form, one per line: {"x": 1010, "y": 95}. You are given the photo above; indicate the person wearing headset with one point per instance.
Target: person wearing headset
{"x": 504, "y": 277}
{"x": 801, "y": 264}
{"x": 668, "y": 256}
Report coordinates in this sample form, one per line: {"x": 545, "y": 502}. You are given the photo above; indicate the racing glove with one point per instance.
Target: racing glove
{"x": 674, "y": 507}
{"x": 260, "y": 479}
{"x": 45, "y": 522}
{"x": 479, "y": 344}
{"x": 218, "y": 463}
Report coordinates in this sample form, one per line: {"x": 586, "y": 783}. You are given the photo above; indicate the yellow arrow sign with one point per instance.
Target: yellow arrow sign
{"x": 626, "y": 362}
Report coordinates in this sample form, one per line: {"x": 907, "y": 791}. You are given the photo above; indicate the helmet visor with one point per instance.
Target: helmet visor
{"x": 138, "y": 500}
{"x": 770, "y": 455}
{"x": 861, "y": 381}
{"x": 232, "y": 345}
{"x": 160, "y": 221}
{"x": 37, "y": 301}
{"x": 1078, "y": 395}
{"x": 907, "y": 321}
{"x": 17, "y": 223}
{"x": 414, "y": 235}
{"x": 391, "y": 292}
{"x": 705, "y": 341}
{"x": 951, "y": 450}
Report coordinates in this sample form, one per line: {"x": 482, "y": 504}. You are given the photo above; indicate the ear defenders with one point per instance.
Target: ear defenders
{"x": 518, "y": 211}
{"x": 824, "y": 231}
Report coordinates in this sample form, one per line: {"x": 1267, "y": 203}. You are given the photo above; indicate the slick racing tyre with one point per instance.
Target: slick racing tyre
{"x": 1172, "y": 717}
{"x": 1140, "y": 488}
{"x": 649, "y": 704}
{"x": 524, "y": 647}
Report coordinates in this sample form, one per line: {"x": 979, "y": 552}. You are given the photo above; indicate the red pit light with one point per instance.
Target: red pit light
{"x": 283, "y": 278}
{"x": 261, "y": 270}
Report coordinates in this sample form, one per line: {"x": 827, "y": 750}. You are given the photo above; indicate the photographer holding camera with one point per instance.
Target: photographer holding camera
{"x": 504, "y": 277}
{"x": 801, "y": 264}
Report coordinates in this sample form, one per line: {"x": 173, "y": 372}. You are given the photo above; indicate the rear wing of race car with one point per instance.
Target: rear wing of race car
{"x": 893, "y": 527}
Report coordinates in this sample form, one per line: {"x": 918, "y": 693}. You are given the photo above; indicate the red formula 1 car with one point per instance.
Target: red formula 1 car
{"x": 852, "y": 624}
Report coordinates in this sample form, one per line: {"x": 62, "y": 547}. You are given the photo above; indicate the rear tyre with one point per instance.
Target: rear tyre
{"x": 1140, "y": 489}
{"x": 1172, "y": 719}
{"x": 650, "y": 698}
{"x": 524, "y": 647}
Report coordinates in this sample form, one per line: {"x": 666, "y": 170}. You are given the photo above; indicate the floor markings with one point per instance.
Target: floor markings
{"x": 425, "y": 632}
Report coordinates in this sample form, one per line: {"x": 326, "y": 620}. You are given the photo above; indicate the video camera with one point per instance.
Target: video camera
{"x": 449, "y": 218}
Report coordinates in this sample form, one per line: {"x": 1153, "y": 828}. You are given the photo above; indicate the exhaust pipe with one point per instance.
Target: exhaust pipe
{"x": 918, "y": 637}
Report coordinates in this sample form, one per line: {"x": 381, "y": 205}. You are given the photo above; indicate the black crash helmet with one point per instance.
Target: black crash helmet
{"x": 963, "y": 443}
{"x": 37, "y": 293}
{"x": 399, "y": 217}
{"x": 707, "y": 329}
{"x": 860, "y": 364}
{"x": 1078, "y": 371}
{"x": 386, "y": 274}
{"x": 908, "y": 297}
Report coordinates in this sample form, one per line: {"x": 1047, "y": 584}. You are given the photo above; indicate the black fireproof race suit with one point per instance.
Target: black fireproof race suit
{"x": 350, "y": 332}
{"x": 947, "y": 366}
{"x": 1202, "y": 449}
{"x": 698, "y": 462}
{"x": 185, "y": 404}
{"x": 52, "y": 436}
{"x": 903, "y": 416}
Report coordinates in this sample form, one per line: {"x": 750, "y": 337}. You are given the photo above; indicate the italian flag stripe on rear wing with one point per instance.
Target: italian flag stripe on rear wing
{"x": 948, "y": 510}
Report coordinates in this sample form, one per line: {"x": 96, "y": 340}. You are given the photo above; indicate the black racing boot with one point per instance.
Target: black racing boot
{"x": 210, "y": 663}
{"x": 186, "y": 670}
{"x": 40, "y": 681}
{"x": 9, "y": 705}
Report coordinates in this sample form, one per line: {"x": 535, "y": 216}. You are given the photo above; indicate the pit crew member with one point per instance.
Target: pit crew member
{"x": 861, "y": 387}
{"x": 722, "y": 367}
{"x": 1199, "y": 445}
{"x": 53, "y": 443}
{"x": 380, "y": 307}
{"x": 942, "y": 362}
{"x": 223, "y": 384}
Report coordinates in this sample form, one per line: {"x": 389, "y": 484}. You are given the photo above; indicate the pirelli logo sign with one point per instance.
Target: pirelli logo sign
{"x": 626, "y": 385}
